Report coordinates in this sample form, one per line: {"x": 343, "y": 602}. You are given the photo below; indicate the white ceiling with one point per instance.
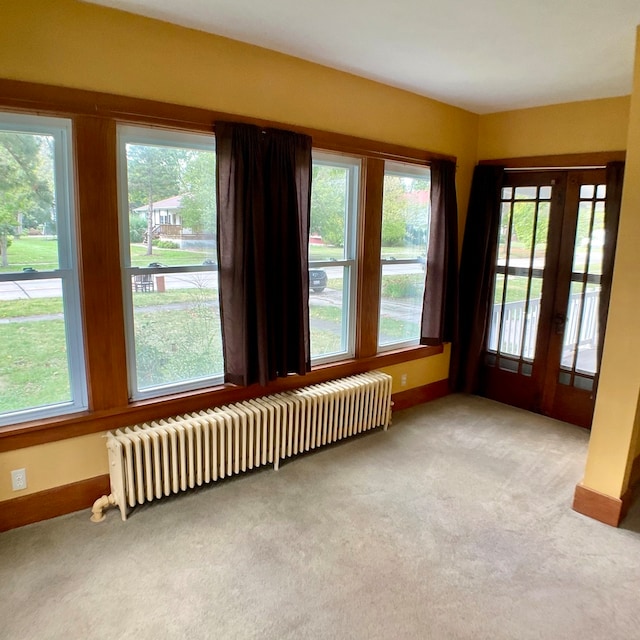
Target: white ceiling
{"x": 482, "y": 55}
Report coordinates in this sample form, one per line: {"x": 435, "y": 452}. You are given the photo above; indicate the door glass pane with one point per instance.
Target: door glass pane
{"x": 503, "y": 230}
{"x": 522, "y": 234}
{"x": 580, "y": 343}
{"x": 587, "y": 191}
{"x": 596, "y": 241}
{"x": 496, "y": 312}
{"x": 583, "y": 233}
{"x": 542, "y": 232}
{"x": 545, "y": 193}
{"x": 519, "y": 319}
{"x": 526, "y": 193}
{"x": 522, "y": 247}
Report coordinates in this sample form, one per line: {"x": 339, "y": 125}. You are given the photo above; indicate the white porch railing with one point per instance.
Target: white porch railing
{"x": 519, "y": 332}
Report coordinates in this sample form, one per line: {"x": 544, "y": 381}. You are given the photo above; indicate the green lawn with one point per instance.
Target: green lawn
{"x": 36, "y": 252}
{"x": 42, "y": 254}
{"x": 28, "y": 378}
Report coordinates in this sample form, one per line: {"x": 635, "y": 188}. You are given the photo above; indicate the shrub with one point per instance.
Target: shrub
{"x": 165, "y": 244}
{"x": 137, "y": 228}
{"x": 402, "y": 286}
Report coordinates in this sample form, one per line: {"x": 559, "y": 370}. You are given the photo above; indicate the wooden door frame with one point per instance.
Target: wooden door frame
{"x": 567, "y": 162}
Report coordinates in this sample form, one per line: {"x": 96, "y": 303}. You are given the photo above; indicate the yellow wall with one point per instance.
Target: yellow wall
{"x": 54, "y": 464}
{"x": 614, "y": 433}
{"x": 574, "y": 127}
{"x": 78, "y": 45}
{"x": 419, "y": 372}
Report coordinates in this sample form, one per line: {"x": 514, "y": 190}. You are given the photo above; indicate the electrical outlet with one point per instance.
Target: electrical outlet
{"x": 403, "y": 380}
{"x": 19, "y": 479}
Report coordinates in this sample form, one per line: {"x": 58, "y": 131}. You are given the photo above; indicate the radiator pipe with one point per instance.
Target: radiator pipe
{"x": 97, "y": 511}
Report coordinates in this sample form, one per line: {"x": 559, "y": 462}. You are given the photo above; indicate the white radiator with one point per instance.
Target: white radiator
{"x": 156, "y": 459}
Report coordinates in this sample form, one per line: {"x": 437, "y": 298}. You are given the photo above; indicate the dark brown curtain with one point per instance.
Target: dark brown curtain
{"x": 477, "y": 268}
{"x": 615, "y": 175}
{"x": 440, "y": 303}
{"x": 263, "y": 200}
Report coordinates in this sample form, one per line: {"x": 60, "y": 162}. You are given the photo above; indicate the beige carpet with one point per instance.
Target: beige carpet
{"x": 454, "y": 524}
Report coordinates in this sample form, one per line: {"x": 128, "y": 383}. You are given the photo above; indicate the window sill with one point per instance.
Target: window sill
{"x": 36, "y": 432}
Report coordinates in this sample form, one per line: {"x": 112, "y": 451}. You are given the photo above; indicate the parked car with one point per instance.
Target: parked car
{"x": 317, "y": 280}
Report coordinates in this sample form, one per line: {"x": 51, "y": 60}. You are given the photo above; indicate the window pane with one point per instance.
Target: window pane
{"x": 406, "y": 213}
{"x": 174, "y": 331}
{"x": 41, "y": 367}
{"x": 332, "y": 252}
{"x": 329, "y": 200}
{"x": 28, "y": 235}
{"x": 171, "y": 205}
{"x": 34, "y": 370}
{"x": 401, "y": 295}
{"x": 177, "y": 329}
{"x": 328, "y": 312}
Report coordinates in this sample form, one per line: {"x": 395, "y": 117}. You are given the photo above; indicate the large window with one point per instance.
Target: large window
{"x": 168, "y": 231}
{"x": 41, "y": 366}
{"x": 405, "y": 231}
{"x": 332, "y": 255}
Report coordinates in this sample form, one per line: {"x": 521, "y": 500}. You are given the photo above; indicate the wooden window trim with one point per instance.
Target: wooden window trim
{"x": 95, "y": 117}
{"x": 35, "y": 98}
{"x": 563, "y": 161}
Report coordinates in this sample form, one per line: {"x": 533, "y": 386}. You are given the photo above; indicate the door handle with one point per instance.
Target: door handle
{"x": 559, "y": 320}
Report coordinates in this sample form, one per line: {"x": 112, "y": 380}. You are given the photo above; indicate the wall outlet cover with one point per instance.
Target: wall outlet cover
{"x": 19, "y": 479}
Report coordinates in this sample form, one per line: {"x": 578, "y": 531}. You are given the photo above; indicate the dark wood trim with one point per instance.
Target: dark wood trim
{"x": 599, "y": 506}
{"x": 42, "y": 431}
{"x": 420, "y": 395}
{"x": 370, "y": 233}
{"x": 595, "y": 159}
{"x": 52, "y": 503}
{"x": 101, "y": 287}
{"x": 63, "y": 101}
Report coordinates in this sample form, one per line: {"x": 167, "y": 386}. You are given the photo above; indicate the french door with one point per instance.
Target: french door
{"x": 542, "y": 346}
